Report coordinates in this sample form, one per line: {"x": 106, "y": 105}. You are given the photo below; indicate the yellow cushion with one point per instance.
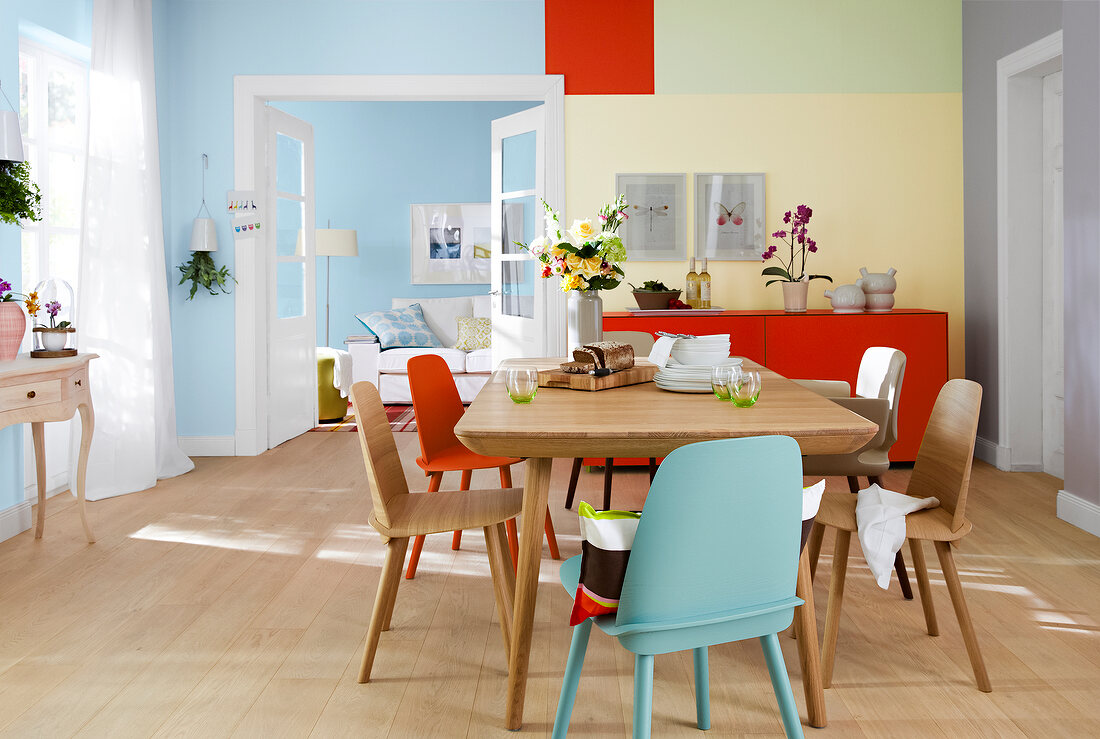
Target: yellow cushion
{"x": 474, "y": 333}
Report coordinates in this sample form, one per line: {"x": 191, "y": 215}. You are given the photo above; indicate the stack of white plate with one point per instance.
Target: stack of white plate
{"x": 689, "y": 378}
{"x": 702, "y": 350}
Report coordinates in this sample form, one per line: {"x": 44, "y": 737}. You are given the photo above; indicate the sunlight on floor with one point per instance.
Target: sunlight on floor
{"x": 213, "y": 531}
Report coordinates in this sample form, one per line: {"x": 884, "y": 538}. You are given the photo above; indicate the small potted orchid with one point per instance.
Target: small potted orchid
{"x": 54, "y": 336}
{"x": 586, "y": 259}
{"x": 797, "y": 240}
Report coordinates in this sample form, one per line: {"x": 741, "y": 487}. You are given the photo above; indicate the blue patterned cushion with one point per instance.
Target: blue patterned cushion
{"x": 400, "y": 327}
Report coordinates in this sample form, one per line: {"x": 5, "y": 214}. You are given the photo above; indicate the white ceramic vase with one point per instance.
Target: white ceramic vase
{"x": 879, "y": 288}
{"x": 585, "y": 319}
{"x": 847, "y": 298}
{"x": 794, "y": 296}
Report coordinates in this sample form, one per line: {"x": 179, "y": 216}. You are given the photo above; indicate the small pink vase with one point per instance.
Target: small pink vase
{"x": 794, "y": 296}
{"x": 13, "y": 324}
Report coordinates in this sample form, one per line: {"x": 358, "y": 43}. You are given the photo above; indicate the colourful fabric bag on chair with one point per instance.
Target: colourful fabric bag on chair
{"x": 606, "y": 540}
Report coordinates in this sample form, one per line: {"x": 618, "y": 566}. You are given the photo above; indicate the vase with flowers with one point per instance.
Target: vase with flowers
{"x": 13, "y": 322}
{"x": 792, "y": 275}
{"x": 586, "y": 259}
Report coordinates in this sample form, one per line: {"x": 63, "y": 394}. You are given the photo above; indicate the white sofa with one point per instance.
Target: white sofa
{"x": 387, "y": 369}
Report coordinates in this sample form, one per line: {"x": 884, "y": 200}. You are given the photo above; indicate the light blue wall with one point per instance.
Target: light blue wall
{"x": 73, "y": 20}
{"x": 204, "y": 43}
{"x": 372, "y": 161}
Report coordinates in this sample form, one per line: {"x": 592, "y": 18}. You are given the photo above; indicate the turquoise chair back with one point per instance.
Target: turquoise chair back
{"x": 715, "y": 557}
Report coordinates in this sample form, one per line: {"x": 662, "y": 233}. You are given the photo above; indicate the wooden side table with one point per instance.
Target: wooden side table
{"x": 38, "y": 390}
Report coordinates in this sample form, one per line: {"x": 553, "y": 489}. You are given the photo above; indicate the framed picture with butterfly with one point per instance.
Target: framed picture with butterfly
{"x": 729, "y": 216}
{"x": 656, "y": 225}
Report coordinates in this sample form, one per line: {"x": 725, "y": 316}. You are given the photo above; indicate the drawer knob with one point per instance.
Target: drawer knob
{"x": 78, "y": 383}
{"x": 31, "y": 394}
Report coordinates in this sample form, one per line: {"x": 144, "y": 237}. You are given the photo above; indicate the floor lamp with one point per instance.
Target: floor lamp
{"x": 334, "y": 242}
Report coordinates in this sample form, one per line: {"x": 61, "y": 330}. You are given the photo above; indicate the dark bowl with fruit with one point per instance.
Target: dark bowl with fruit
{"x": 654, "y": 295}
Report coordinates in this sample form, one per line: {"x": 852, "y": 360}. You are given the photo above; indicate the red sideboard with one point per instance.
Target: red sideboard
{"x": 820, "y": 344}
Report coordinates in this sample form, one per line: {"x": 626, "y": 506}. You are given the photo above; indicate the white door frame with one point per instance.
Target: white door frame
{"x": 1019, "y": 231}
{"x": 250, "y": 94}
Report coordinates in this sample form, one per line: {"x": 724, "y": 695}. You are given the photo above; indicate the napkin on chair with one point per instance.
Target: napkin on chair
{"x": 880, "y": 520}
{"x": 662, "y": 350}
{"x": 341, "y": 368}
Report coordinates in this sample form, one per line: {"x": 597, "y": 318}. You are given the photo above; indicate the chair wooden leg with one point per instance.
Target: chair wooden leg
{"x": 551, "y": 537}
{"x": 781, "y": 685}
{"x": 916, "y": 548}
{"x": 652, "y": 468}
{"x": 813, "y": 546}
{"x": 954, "y": 587}
{"x": 383, "y": 601}
{"x": 702, "y": 688}
{"x": 608, "y": 473}
{"x": 464, "y": 484}
{"x": 418, "y": 542}
{"x": 853, "y": 484}
{"x": 836, "y": 597}
{"x": 574, "y": 475}
{"x": 643, "y": 695}
{"x": 577, "y": 648}
{"x": 504, "y": 579}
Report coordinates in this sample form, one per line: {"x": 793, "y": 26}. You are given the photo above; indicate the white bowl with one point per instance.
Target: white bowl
{"x": 700, "y": 356}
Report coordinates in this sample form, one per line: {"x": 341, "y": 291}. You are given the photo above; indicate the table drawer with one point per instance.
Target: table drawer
{"x": 31, "y": 394}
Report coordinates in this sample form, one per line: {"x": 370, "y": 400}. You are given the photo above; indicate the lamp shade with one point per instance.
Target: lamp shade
{"x": 11, "y": 140}
{"x": 204, "y": 235}
{"x": 333, "y": 242}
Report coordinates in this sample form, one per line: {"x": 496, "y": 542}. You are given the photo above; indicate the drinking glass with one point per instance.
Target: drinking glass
{"x": 722, "y": 379}
{"x": 522, "y": 384}
{"x": 746, "y": 390}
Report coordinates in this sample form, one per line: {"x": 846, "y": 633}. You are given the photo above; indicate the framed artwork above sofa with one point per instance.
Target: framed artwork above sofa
{"x": 449, "y": 244}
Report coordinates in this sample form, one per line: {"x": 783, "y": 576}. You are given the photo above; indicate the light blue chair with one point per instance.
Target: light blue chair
{"x": 714, "y": 560}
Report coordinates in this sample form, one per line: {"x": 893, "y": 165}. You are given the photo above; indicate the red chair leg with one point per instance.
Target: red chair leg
{"x": 456, "y": 538}
{"x": 418, "y": 542}
{"x": 510, "y": 524}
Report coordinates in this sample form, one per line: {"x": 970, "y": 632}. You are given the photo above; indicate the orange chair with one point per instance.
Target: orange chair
{"x": 437, "y": 407}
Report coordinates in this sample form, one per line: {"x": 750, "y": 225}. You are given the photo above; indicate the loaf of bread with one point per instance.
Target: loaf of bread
{"x": 613, "y": 355}
{"x": 577, "y": 368}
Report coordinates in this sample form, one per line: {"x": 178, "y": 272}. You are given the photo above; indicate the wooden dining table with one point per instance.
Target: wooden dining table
{"x": 642, "y": 421}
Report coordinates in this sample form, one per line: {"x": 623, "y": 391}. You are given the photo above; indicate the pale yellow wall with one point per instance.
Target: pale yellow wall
{"x": 883, "y": 173}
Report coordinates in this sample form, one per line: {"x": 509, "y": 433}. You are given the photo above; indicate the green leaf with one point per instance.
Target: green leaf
{"x": 778, "y": 272}
{"x": 821, "y": 277}
{"x": 771, "y": 281}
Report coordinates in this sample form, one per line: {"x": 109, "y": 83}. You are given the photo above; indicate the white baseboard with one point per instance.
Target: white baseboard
{"x": 56, "y": 483}
{"x": 15, "y": 520}
{"x": 1084, "y": 514}
{"x": 993, "y": 453}
{"x": 247, "y": 443}
{"x": 207, "y": 446}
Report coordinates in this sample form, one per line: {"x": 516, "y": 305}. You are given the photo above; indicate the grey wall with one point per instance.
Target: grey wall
{"x": 1081, "y": 180}
{"x": 990, "y": 30}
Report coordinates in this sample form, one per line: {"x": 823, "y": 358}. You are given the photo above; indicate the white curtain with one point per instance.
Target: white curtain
{"x": 122, "y": 305}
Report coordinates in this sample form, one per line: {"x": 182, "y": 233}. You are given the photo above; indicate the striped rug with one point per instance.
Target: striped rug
{"x": 401, "y": 418}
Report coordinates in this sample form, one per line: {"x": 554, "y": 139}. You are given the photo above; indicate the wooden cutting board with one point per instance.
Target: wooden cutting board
{"x": 639, "y": 373}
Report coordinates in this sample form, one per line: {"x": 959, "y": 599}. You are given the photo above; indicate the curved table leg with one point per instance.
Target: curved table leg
{"x": 87, "y": 426}
{"x": 809, "y": 654}
{"x": 38, "y": 435}
{"x": 536, "y": 490}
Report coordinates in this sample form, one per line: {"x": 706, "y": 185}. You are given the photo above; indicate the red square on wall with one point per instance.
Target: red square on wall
{"x": 603, "y": 47}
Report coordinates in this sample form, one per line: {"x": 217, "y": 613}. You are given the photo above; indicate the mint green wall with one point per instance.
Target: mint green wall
{"x": 719, "y": 46}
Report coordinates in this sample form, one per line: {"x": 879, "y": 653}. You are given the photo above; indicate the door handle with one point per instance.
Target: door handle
{"x": 494, "y": 292}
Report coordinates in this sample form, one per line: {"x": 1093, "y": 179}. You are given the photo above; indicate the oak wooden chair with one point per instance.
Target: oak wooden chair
{"x": 642, "y": 341}
{"x": 398, "y": 515}
{"x": 877, "y": 398}
{"x": 942, "y": 470}
{"x": 438, "y": 407}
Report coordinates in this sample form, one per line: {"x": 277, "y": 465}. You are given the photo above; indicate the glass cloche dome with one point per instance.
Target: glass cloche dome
{"x": 54, "y": 334}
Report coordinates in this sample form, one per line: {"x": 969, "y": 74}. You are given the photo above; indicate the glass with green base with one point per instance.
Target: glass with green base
{"x": 722, "y": 379}
{"x": 522, "y": 384}
{"x": 746, "y": 390}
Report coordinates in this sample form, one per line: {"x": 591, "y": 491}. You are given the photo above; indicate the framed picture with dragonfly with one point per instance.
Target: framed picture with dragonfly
{"x": 656, "y": 225}
{"x": 729, "y": 216}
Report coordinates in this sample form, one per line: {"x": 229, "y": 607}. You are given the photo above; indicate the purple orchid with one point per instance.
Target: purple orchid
{"x": 798, "y": 241}
{"x": 53, "y": 308}
{"x": 5, "y": 286}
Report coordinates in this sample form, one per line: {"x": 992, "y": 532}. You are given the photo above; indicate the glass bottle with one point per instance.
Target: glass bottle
{"x": 692, "y": 285}
{"x": 704, "y": 286}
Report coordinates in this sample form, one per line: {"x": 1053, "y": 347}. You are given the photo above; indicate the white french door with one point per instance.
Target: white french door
{"x": 292, "y": 327}
{"x": 1054, "y": 378}
{"x": 521, "y": 307}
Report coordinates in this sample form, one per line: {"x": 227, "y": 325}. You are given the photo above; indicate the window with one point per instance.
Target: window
{"x": 53, "y": 111}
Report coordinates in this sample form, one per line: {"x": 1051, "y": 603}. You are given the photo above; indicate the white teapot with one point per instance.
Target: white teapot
{"x": 847, "y": 298}
{"x": 879, "y": 288}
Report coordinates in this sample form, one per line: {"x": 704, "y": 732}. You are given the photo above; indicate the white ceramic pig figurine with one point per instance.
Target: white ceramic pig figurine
{"x": 879, "y": 288}
{"x": 847, "y": 298}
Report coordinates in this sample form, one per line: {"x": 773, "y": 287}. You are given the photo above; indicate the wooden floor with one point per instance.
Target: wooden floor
{"x": 233, "y": 601}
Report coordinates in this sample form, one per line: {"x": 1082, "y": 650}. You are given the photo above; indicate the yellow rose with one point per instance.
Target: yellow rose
{"x": 591, "y": 267}
{"x": 583, "y": 231}
{"x": 557, "y": 252}
{"x": 573, "y": 262}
